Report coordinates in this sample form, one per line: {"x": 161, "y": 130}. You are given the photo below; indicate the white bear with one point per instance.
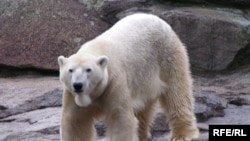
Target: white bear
{"x": 121, "y": 74}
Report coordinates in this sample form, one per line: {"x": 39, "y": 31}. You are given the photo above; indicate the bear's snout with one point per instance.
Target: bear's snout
{"x": 78, "y": 86}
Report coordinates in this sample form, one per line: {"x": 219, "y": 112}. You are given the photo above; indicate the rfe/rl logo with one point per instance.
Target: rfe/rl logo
{"x": 226, "y": 132}
{"x": 229, "y": 132}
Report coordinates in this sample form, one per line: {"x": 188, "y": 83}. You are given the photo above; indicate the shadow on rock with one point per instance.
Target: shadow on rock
{"x": 49, "y": 99}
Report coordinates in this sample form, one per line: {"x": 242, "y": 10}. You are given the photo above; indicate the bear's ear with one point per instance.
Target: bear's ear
{"x": 61, "y": 61}
{"x": 102, "y": 61}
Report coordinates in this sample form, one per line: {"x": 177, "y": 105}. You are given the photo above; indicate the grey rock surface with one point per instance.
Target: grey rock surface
{"x": 209, "y": 104}
{"x": 49, "y": 99}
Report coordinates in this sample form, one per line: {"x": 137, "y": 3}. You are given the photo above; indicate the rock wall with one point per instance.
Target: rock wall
{"x": 33, "y": 33}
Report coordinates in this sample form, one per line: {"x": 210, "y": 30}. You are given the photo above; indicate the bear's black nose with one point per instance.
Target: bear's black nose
{"x": 78, "y": 87}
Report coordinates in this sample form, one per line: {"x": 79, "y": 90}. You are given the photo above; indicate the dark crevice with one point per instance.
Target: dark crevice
{"x": 50, "y": 130}
{"x": 221, "y": 3}
{"x": 8, "y": 120}
{"x": 9, "y": 71}
{"x": 241, "y": 59}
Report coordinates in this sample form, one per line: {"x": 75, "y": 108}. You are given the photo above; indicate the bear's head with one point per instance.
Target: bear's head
{"x": 84, "y": 76}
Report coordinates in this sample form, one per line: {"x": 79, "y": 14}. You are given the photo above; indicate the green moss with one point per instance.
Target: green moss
{"x": 33, "y": 10}
{"x": 91, "y": 3}
{"x": 4, "y": 4}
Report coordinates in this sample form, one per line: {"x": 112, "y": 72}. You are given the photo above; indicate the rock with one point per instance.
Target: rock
{"x": 100, "y": 128}
{"x": 208, "y": 104}
{"x": 203, "y": 137}
{"x": 215, "y": 32}
{"x": 161, "y": 137}
{"x": 203, "y": 127}
{"x": 31, "y": 136}
{"x": 34, "y": 33}
{"x": 160, "y": 123}
{"x": 17, "y": 90}
{"x": 45, "y": 121}
{"x": 50, "y": 99}
{"x": 3, "y": 107}
{"x": 50, "y": 130}
{"x": 233, "y": 115}
{"x": 243, "y": 3}
{"x": 36, "y": 136}
{"x": 239, "y": 100}
{"x": 201, "y": 111}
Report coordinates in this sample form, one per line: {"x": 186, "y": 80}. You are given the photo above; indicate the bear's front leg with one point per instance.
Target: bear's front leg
{"x": 121, "y": 125}
{"x": 76, "y": 129}
{"x": 76, "y": 123}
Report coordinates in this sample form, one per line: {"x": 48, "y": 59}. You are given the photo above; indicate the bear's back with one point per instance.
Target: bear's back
{"x": 138, "y": 27}
{"x": 136, "y": 41}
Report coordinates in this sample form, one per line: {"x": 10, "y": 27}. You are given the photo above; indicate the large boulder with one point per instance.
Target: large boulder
{"x": 34, "y": 32}
{"x": 213, "y": 37}
{"x": 241, "y": 3}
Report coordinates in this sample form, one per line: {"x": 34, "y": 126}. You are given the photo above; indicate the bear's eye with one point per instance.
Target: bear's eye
{"x": 88, "y": 70}
{"x": 71, "y": 70}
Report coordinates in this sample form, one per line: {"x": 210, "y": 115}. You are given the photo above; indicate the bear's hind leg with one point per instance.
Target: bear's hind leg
{"x": 177, "y": 102}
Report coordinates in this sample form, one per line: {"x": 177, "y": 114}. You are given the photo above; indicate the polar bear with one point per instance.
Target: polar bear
{"x": 121, "y": 74}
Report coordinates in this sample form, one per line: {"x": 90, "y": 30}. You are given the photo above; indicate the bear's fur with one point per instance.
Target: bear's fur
{"x": 122, "y": 74}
